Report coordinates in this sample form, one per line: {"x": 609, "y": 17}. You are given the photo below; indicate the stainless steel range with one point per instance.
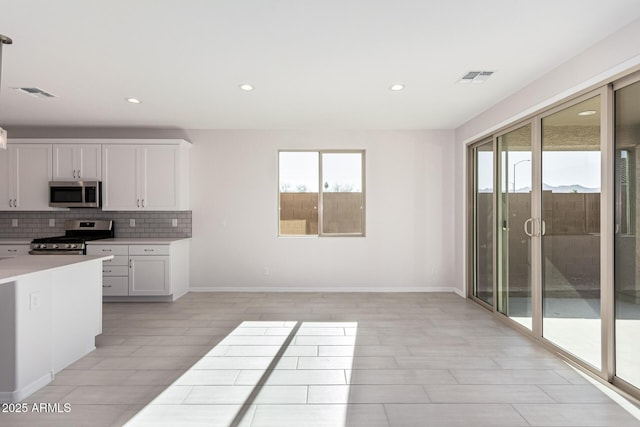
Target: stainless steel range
{"x": 77, "y": 232}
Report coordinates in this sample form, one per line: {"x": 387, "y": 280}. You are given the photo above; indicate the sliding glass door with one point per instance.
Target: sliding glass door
{"x": 514, "y": 213}
{"x": 555, "y": 214}
{"x": 570, "y": 229}
{"x": 482, "y": 225}
{"x": 627, "y": 224}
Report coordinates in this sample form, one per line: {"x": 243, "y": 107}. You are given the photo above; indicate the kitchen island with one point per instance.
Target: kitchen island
{"x": 50, "y": 314}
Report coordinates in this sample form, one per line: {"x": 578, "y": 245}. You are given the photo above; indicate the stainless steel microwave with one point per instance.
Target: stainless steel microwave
{"x": 75, "y": 194}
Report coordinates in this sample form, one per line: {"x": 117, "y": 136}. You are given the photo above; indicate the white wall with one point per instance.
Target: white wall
{"x": 409, "y": 202}
{"x": 617, "y": 55}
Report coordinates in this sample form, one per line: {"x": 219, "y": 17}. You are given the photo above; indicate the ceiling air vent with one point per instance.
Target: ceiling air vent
{"x": 35, "y": 92}
{"x": 476, "y": 77}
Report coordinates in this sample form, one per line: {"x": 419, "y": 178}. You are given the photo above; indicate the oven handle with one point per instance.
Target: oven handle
{"x": 54, "y": 252}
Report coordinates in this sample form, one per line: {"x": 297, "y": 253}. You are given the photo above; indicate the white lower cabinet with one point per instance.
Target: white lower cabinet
{"x": 149, "y": 275}
{"x": 115, "y": 272}
{"x": 13, "y": 250}
{"x": 155, "y": 270}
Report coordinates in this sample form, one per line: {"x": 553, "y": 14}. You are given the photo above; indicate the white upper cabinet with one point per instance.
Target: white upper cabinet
{"x": 77, "y": 162}
{"x": 120, "y": 173}
{"x": 149, "y": 177}
{"x": 26, "y": 172}
{"x": 135, "y": 174}
{"x": 161, "y": 183}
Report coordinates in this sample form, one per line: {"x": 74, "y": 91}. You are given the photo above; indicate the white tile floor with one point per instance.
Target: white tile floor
{"x": 351, "y": 359}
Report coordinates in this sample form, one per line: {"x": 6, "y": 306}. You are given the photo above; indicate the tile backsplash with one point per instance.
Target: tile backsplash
{"x": 32, "y": 224}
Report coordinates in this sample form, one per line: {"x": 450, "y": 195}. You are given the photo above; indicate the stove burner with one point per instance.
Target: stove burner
{"x": 77, "y": 232}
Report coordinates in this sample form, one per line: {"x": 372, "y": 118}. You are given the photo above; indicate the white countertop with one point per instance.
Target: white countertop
{"x": 12, "y": 268}
{"x": 138, "y": 241}
{"x": 16, "y": 241}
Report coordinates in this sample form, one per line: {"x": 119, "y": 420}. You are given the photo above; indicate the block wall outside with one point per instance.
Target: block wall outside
{"x": 571, "y": 244}
{"x": 343, "y": 212}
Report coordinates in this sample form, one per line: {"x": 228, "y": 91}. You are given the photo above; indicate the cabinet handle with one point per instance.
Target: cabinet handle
{"x": 13, "y": 250}
{"x": 106, "y": 250}
{"x": 130, "y": 263}
{"x": 78, "y": 173}
{"x": 10, "y": 203}
{"x": 106, "y": 286}
{"x": 143, "y": 203}
{"x": 138, "y": 202}
{"x": 15, "y": 203}
{"x": 148, "y": 250}
{"x": 74, "y": 173}
{"x": 106, "y": 271}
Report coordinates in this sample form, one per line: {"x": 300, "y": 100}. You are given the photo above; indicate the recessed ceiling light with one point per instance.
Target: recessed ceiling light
{"x": 396, "y": 87}
{"x": 587, "y": 113}
{"x": 246, "y": 86}
{"x": 134, "y": 100}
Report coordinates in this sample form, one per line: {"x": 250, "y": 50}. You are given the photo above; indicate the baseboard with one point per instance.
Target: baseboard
{"x": 459, "y": 292}
{"x": 322, "y": 289}
{"x": 24, "y": 392}
{"x": 175, "y": 296}
{"x": 139, "y": 298}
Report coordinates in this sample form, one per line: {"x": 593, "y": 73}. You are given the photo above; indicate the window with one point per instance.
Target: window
{"x": 321, "y": 193}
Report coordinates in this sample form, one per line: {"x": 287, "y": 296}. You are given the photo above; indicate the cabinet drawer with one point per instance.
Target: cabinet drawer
{"x": 115, "y": 270}
{"x": 107, "y": 250}
{"x": 149, "y": 250}
{"x": 115, "y": 286}
{"x": 117, "y": 260}
{"x": 14, "y": 250}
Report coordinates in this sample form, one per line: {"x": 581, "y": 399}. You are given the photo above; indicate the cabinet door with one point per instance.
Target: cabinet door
{"x": 75, "y": 162}
{"x": 32, "y": 175}
{"x": 160, "y": 186}
{"x": 149, "y": 275}
{"x": 64, "y": 168}
{"x": 121, "y": 178}
{"x": 6, "y": 194}
{"x": 88, "y": 163}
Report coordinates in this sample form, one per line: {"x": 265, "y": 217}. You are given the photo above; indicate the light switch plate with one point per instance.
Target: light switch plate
{"x": 34, "y": 300}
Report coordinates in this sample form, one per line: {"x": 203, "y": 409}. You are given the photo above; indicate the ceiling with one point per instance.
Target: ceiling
{"x": 323, "y": 64}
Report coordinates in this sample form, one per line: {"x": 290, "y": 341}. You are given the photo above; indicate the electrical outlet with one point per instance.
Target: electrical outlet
{"x": 132, "y": 222}
{"x": 52, "y": 222}
{"x": 14, "y": 222}
{"x": 34, "y": 300}
{"x": 174, "y": 222}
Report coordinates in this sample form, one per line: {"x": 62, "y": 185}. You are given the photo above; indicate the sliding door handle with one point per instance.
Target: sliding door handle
{"x": 526, "y": 228}
{"x": 544, "y": 227}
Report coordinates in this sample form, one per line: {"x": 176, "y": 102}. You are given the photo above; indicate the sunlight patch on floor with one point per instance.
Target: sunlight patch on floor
{"x": 628, "y": 350}
{"x": 263, "y": 372}
{"x": 580, "y": 337}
